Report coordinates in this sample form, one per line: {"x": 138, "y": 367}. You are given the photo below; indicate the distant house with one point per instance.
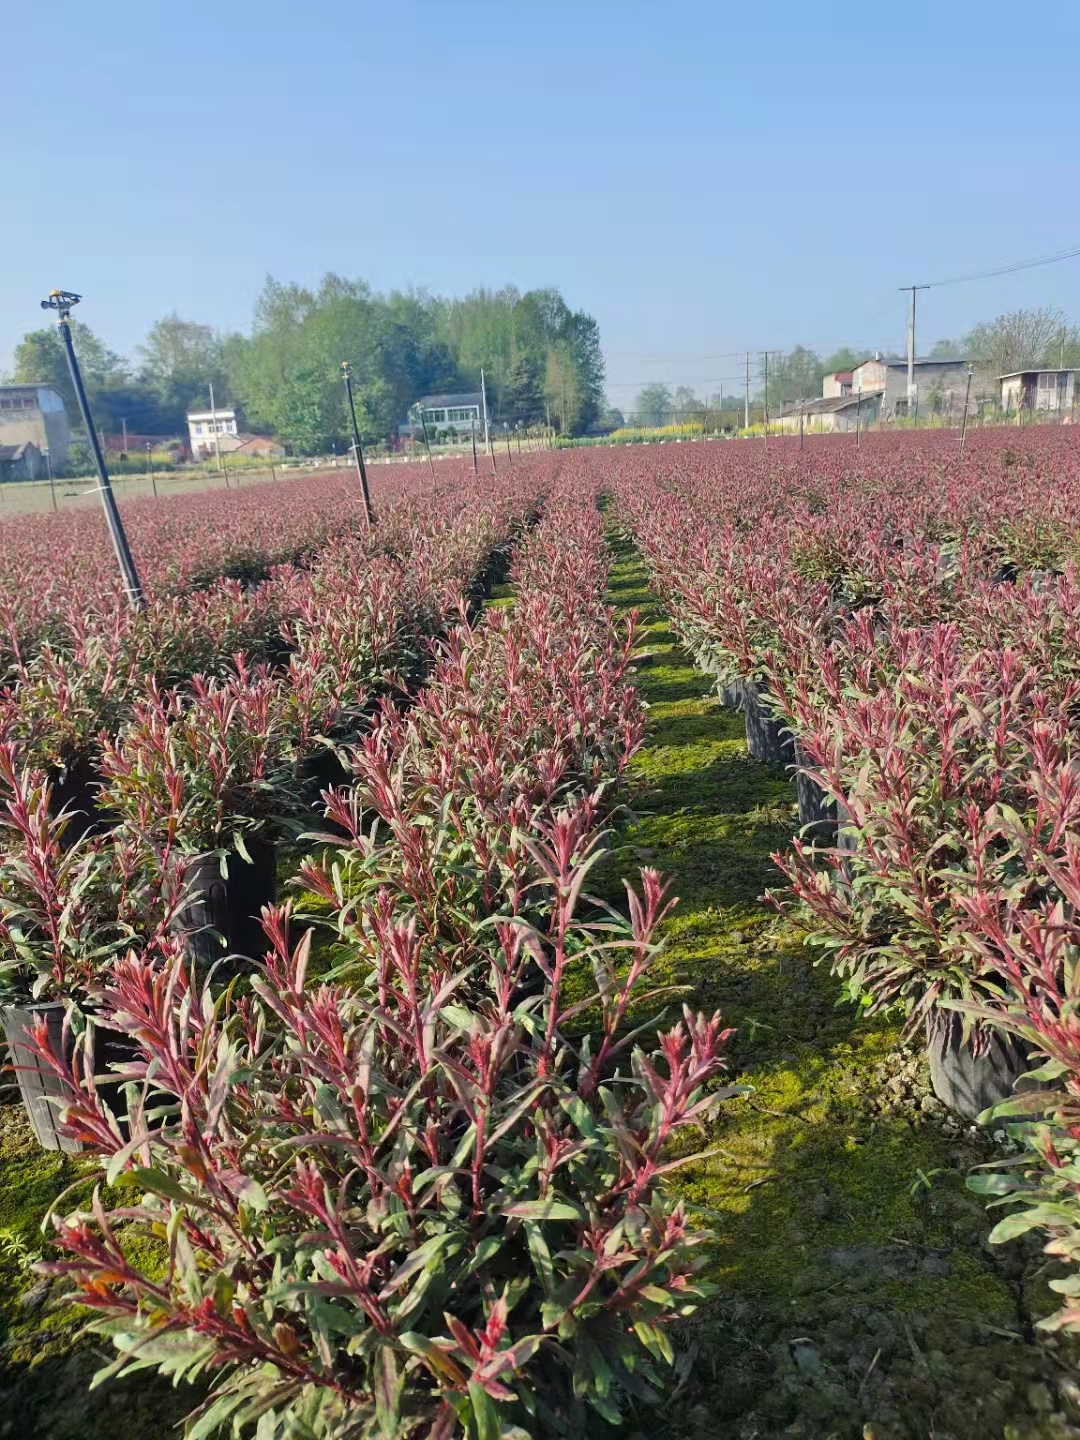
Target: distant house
{"x": 136, "y": 444}
{"x": 262, "y": 445}
{"x": 34, "y": 414}
{"x": 828, "y": 415}
{"x": 21, "y": 462}
{"x": 940, "y": 385}
{"x": 221, "y": 430}
{"x": 1038, "y": 390}
{"x": 836, "y": 385}
{"x": 212, "y": 430}
{"x": 458, "y": 413}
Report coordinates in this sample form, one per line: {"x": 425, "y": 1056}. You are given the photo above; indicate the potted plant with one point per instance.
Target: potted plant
{"x": 932, "y": 766}
{"x": 67, "y": 910}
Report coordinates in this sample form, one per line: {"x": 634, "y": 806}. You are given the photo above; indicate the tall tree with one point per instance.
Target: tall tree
{"x": 654, "y": 405}
{"x": 1018, "y": 340}
{"x": 181, "y": 359}
{"x": 562, "y": 394}
{"x": 843, "y": 360}
{"x": 40, "y": 356}
{"x": 795, "y": 375}
{"x": 686, "y": 405}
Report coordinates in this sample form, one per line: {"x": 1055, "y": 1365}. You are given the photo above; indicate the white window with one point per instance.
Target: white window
{"x": 466, "y": 412}
{"x": 435, "y": 417}
{"x": 198, "y": 430}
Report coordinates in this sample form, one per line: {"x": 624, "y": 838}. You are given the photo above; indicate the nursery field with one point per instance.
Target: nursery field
{"x": 591, "y": 954}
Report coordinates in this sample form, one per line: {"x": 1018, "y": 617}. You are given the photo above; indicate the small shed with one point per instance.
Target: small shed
{"x": 1038, "y": 390}
{"x": 827, "y": 416}
{"x": 21, "y": 462}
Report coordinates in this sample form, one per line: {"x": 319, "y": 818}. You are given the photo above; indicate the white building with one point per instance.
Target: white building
{"x": 458, "y": 413}
{"x": 211, "y": 430}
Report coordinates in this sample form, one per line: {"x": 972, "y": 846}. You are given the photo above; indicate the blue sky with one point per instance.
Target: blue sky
{"x": 703, "y": 178}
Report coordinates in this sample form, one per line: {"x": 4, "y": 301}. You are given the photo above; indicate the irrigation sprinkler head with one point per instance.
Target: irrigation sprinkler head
{"x": 61, "y": 301}
{"x": 346, "y": 370}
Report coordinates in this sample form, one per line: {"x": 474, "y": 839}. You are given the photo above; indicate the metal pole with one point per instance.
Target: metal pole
{"x": 746, "y": 416}
{"x": 475, "y": 471}
{"x": 801, "y": 418}
{"x": 765, "y": 407}
{"x": 483, "y": 396}
{"x": 150, "y": 467}
{"x": 52, "y": 482}
{"x": 963, "y": 423}
{"x": 427, "y": 445}
{"x": 62, "y": 301}
{"x": 346, "y": 375}
{"x": 508, "y": 454}
{"x": 858, "y": 420}
{"x": 911, "y": 352}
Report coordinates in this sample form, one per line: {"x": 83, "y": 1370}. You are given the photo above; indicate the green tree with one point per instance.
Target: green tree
{"x": 795, "y": 375}
{"x": 562, "y": 395}
{"x": 39, "y": 356}
{"x": 843, "y": 360}
{"x": 1018, "y": 340}
{"x": 655, "y": 405}
{"x": 523, "y": 400}
{"x": 180, "y": 360}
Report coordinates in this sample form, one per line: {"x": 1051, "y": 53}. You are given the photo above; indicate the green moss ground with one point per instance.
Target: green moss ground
{"x": 858, "y": 1295}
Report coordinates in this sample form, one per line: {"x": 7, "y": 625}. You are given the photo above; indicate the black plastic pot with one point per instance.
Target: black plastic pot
{"x": 816, "y": 808}
{"x": 730, "y": 693}
{"x": 969, "y": 1083}
{"x": 37, "y": 1083}
{"x": 220, "y": 914}
{"x": 767, "y": 738}
{"x": 77, "y": 789}
{"x": 39, "y": 1088}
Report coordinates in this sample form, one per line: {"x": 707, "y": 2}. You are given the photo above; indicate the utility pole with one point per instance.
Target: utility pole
{"x": 123, "y": 423}
{"x": 746, "y": 416}
{"x": 705, "y": 418}
{"x": 765, "y": 407}
{"x": 475, "y": 471}
{"x": 858, "y": 420}
{"x": 346, "y": 375}
{"x": 150, "y": 466}
{"x": 911, "y": 345}
{"x": 217, "y": 438}
{"x": 62, "y": 301}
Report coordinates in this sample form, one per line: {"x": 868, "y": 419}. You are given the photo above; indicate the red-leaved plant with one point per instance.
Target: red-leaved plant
{"x": 423, "y": 1204}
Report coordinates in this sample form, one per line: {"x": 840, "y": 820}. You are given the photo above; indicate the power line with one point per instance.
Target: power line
{"x": 1058, "y": 255}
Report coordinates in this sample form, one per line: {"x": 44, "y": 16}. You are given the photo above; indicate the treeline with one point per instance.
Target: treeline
{"x": 542, "y": 363}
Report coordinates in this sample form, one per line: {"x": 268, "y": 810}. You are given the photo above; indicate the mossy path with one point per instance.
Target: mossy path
{"x": 858, "y": 1295}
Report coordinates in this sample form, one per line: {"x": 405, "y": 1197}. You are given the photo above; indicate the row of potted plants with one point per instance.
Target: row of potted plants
{"x": 192, "y": 794}
{"x": 414, "y": 1186}
{"x": 926, "y": 690}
